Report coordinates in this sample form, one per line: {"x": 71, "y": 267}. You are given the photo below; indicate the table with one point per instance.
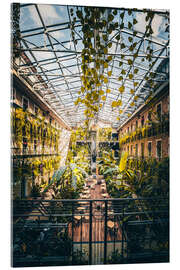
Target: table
{"x": 77, "y": 218}
{"x": 86, "y": 218}
{"x": 110, "y": 224}
{"x": 105, "y": 195}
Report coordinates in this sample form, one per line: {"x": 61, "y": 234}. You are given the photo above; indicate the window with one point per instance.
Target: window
{"x": 128, "y": 150}
{"x": 50, "y": 120}
{"x": 35, "y": 109}
{"x": 35, "y": 145}
{"x": 131, "y": 127}
{"x": 149, "y": 116}
{"x": 116, "y": 154}
{"x": 136, "y": 150}
{"x": 115, "y": 136}
{"x": 136, "y": 123}
{"x": 128, "y": 130}
{"x": 131, "y": 150}
{"x": 142, "y": 150}
{"x": 24, "y": 145}
{"x": 149, "y": 149}
{"x": 159, "y": 149}
{"x": 25, "y": 103}
{"x": 158, "y": 110}
{"x": 142, "y": 121}
{"x": 13, "y": 94}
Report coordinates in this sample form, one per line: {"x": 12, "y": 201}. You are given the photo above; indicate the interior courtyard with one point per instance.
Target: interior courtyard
{"x": 89, "y": 135}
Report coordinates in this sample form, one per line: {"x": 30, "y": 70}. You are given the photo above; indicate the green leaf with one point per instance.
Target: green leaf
{"x": 116, "y": 25}
{"x": 123, "y": 72}
{"x": 105, "y": 38}
{"x": 122, "y": 15}
{"x": 117, "y": 37}
{"x": 130, "y": 39}
{"x": 111, "y": 170}
{"x": 79, "y": 14}
{"x": 135, "y": 21}
{"x": 110, "y": 17}
{"x": 123, "y": 46}
{"x": 136, "y": 70}
{"x": 121, "y": 25}
{"x": 56, "y": 177}
{"x": 115, "y": 12}
{"x": 130, "y": 62}
{"x": 131, "y": 48}
{"x": 129, "y": 25}
{"x": 109, "y": 45}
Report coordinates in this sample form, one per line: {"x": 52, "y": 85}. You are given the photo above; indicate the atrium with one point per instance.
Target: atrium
{"x": 89, "y": 135}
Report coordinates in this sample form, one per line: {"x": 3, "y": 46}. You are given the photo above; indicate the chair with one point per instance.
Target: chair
{"x": 77, "y": 220}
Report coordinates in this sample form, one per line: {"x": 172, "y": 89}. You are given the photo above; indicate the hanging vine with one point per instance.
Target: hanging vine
{"x": 97, "y": 26}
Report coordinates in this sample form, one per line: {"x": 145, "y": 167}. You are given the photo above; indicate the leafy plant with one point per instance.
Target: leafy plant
{"x": 67, "y": 182}
{"x": 36, "y": 191}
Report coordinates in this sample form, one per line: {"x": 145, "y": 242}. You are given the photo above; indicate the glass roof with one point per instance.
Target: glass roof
{"x": 53, "y": 39}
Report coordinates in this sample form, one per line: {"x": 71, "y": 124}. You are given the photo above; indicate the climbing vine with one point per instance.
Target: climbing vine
{"x": 25, "y": 125}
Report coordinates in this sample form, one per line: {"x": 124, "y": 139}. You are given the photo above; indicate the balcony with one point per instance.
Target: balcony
{"x": 71, "y": 232}
{"x": 152, "y": 130}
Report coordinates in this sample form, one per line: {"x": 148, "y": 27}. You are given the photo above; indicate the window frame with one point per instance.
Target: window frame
{"x": 142, "y": 121}
{"x": 148, "y": 148}
{"x": 23, "y": 98}
{"x": 35, "y": 106}
{"x": 136, "y": 149}
{"x": 131, "y": 149}
{"x": 142, "y": 152}
{"x": 159, "y": 103}
{"x": 158, "y": 140}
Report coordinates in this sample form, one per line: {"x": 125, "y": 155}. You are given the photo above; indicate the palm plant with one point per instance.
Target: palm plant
{"x": 107, "y": 161}
{"x": 67, "y": 182}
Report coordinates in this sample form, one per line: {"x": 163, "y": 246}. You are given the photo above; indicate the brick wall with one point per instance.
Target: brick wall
{"x": 137, "y": 119}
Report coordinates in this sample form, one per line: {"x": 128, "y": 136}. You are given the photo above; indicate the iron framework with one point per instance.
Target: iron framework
{"x": 51, "y": 61}
{"x": 67, "y": 232}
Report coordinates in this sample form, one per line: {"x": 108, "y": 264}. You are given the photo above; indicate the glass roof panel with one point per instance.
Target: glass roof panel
{"x": 55, "y": 42}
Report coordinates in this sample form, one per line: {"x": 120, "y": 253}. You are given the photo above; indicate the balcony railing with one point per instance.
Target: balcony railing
{"x": 68, "y": 232}
{"x": 145, "y": 132}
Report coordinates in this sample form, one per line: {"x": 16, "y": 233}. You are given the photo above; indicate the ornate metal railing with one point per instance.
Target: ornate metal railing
{"x": 69, "y": 232}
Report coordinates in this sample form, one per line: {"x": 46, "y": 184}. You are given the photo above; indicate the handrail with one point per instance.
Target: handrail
{"x": 88, "y": 200}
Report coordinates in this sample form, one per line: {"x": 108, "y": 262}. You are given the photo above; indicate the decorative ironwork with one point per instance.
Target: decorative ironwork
{"x": 67, "y": 232}
{"x": 51, "y": 50}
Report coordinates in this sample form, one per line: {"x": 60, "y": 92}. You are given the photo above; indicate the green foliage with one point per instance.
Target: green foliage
{"x": 92, "y": 19}
{"x": 67, "y": 182}
{"x": 115, "y": 257}
{"x": 140, "y": 178}
{"x": 36, "y": 191}
{"x": 106, "y": 161}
